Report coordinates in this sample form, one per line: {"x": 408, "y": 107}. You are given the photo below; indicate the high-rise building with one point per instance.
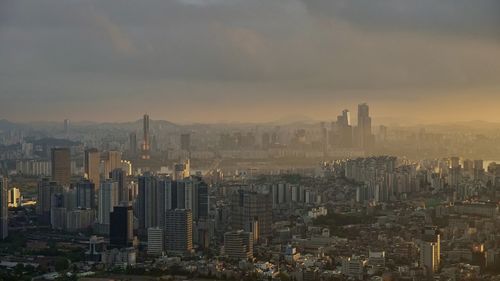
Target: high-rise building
{"x": 344, "y": 130}
{"x": 430, "y": 250}
{"x": 145, "y": 141}
{"x": 252, "y": 211}
{"x": 46, "y": 189}
{"x": 58, "y": 218}
{"x": 146, "y": 201}
{"x": 108, "y": 199}
{"x": 58, "y": 212}
{"x": 113, "y": 160}
{"x": 92, "y": 163}
{"x": 364, "y": 129}
{"x": 66, "y": 126}
{"x": 202, "y": 201}
{"x": 118, "y": 175}
{"x": 133, "y": 143}
{"x": 4, "y": 210}
{"x": 14, "y": 198}
{"x": 238, "y": 244}
{"x": 179, "y": 231}
{"x": 121, "y": 228}
{"x": 478, "y": 169}
{"x": 186, "y": 142}
{"x": 156, "y": 241}
{"x": 61, "y": 165}
{"x": 85, "y": 194}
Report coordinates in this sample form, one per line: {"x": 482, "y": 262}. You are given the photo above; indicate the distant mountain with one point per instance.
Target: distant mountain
{"x": 133, "y": 125}
{"x": 465, "y": 125}
{"x": 293, "y": 119}
{"x": 7, "y": 125}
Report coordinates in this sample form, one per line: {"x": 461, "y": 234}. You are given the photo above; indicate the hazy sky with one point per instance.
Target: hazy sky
{"x": 249, "y": 60}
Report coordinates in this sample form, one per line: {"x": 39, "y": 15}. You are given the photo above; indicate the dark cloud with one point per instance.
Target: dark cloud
{"x": 235, "y": 52}
{"x": 480, "y": 18}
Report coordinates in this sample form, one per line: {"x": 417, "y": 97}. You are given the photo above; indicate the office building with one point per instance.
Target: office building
{"x": 430, "y": 250}
{"x": 108, "y": 199}
{"x": 252, "y": 212}
{"x": 342, "y": 131}
{"x": 147, "y": 200}
{"x": 364, "y": 129}
{"x": 61, "y": 165}
{"x": 46, "y": 189}
{"x": 85, "y": 195}
{"x": 238, "y": 245}
{"x": 179, "y": 231}
{"x": 121, "y": 226}
{"x": 66, "y": 126}
{"x": 4, "y": 209}
{"x": 92, "y": 164}
{"x": 58, "y": 218}
{"x": 118, "y": 175}
{"x": 202, "y": 201}
{"x": 156, "y": 241}
{"x": 112, "y": 161}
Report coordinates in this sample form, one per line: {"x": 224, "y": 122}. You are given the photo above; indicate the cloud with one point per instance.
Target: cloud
{"x": 120, "y": 40}
{"x": 236, "y": 52}
{"x": 479, "y": 18}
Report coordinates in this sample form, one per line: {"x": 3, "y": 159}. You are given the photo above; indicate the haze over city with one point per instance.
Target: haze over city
{"x": 277, "y": 140}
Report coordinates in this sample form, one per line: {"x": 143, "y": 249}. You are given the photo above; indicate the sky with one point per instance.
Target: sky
{"x": 211, "y": 61}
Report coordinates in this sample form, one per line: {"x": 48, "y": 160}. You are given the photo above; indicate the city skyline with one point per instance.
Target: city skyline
{"x": 305, "y": 140}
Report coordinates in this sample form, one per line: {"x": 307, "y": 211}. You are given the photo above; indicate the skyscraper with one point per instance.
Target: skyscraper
{"x": 179, "y": 231}
{"x": 92, "y": 162}
{"x": 113, "y": 160}
{"x": 61, "y": 165}
{"x": 201, "y": 201}
{"x": 147, "y": 199}
{"x": 145, "y": 141}
{"x": 46, "y": 189}
{"x": 252, "y": 210}
{"x": 85, "y": 194}
{"x": 66, "y": 126}
{"x": 118, "y": 175}
{"x": 4, "y": 210}
{"x": 430, "y": 250}
{"x": 364, "y": 129}
{"x": 121, "y": 228}
{"x": 108, "y": 199}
